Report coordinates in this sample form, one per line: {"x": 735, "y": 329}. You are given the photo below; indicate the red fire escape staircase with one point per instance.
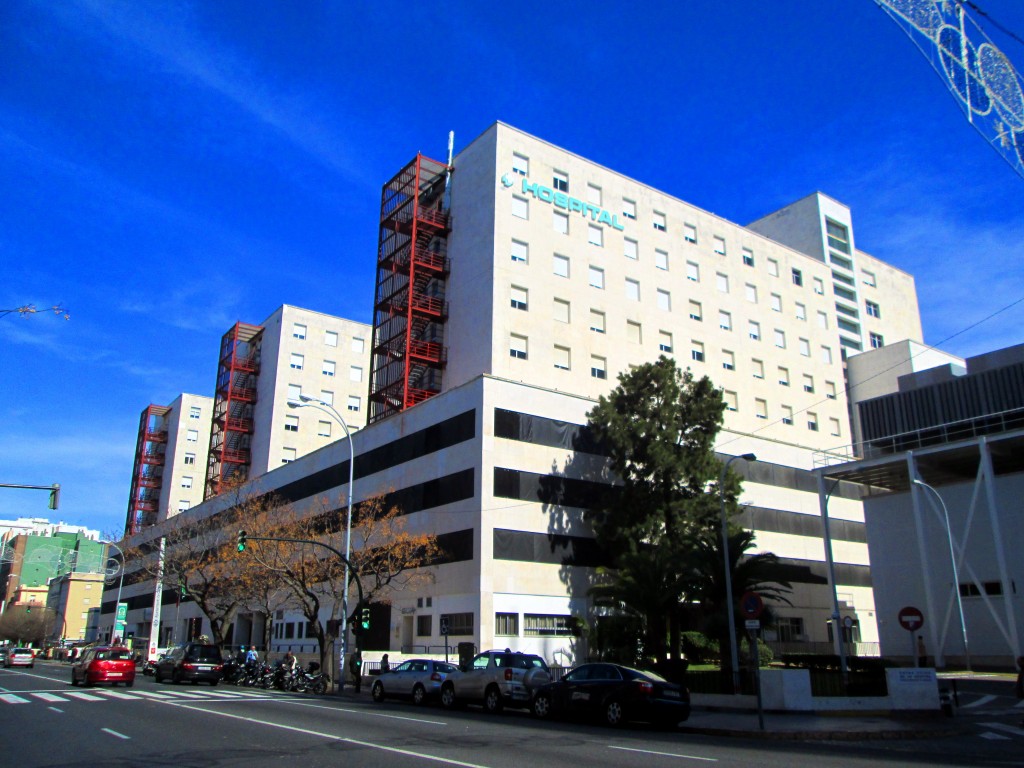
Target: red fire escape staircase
{"x": 235, "y": 397}
{"x": 410, "y": 309}
{"x": 147, "y": 473}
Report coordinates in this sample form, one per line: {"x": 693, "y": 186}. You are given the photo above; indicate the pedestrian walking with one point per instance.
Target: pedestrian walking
{"x": 385, "y": 665}
{"x": 922, "y": 655}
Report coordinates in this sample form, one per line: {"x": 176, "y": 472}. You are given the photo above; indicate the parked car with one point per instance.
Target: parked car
{"x": 3, "y": 654}
{"x": 191, "y": 662}
{"x": 416, "y": 679}
{"x": 496, "y": 679}
{"x": 104, "y": 664}
{"x": 20, "y": 657}
{"x": 614, "y": 694}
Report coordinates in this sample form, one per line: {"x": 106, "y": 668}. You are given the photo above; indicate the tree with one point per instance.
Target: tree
{"x": 659, "y": 426}
{"x": 20, "y": 624}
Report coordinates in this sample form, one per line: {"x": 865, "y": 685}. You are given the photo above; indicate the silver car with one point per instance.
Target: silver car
{"x": 416, "y": 679}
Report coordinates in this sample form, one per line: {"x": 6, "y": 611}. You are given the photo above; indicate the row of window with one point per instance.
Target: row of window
{"x": 299, "y": 331}
{"x": 328, "y": 367}
{"x": 327, "y": 396}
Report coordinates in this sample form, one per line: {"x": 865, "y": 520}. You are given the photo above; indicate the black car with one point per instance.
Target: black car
{"x": 191, "y": 662}
{"x": 614, "y": 694}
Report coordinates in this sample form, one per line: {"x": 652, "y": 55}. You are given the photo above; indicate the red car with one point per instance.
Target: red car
{"x": 104, "y": 664}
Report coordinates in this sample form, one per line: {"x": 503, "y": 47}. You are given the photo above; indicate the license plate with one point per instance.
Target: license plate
{"x": 671, "y": 694}
{"x": 205, "y": 667}
{"x": 113, "y": 674}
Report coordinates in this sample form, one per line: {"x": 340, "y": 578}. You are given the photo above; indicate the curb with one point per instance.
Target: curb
{"x": 885, "y": 735}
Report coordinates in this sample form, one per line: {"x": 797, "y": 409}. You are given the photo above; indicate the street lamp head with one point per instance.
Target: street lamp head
{"x": 749, "y": 457}
{"x": 293, "y": 404}
{"x": 308, "y": 398}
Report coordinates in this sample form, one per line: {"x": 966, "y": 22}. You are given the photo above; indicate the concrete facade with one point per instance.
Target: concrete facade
{"x": 188, "y": 440}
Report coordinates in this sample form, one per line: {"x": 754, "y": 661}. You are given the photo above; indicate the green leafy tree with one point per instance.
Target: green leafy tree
{"x": 659, "y": 425}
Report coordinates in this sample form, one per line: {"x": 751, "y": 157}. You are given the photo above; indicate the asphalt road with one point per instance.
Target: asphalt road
{"x": 46, "y": 722}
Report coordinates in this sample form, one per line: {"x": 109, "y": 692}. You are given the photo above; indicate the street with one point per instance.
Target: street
{"x": 46, "y": 722}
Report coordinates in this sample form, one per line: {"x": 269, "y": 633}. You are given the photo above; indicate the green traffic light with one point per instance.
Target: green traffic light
{"x": 364, "y": 618}
{"x": 241, "y": 541}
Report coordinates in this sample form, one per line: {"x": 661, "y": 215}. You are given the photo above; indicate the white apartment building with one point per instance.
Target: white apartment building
{"x": 188, "y": 439}
{"x": 520, "y": 292}
{"x": 41, "y": 527}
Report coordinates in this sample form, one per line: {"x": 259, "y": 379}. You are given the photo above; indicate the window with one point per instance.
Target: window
{"x": 355, "y": 373}
{"x": 297, "y": 361}
{"x": 194, "y": 412}
{"x": 665, "y": 342}
{"x": 519, "y": 298}
{"x": 790, "y": 629}
{"x": 776, "y": 302}
{"x": 690, "y": 233}
{"x": 750, "y": 291}
{"x": 719, "y": 245}
{"x": 598, "y": 367}
{"x": 843, "y": 293}
{"x": 520, "y": 164}
{"x": 520, "y": 252}
{"x": 520, "y": 207}
{"x": 693, "y": 271}
{"x": 787, "y": 415}
{"x": 784, "y": 376}
{"x": 634, "y": 332}
{"x": 631, "y": 249}
{"x": 424, "y": 626}
{"x": 330, "y": 338}
{"x": 838, "y": 236}
{"x": 748, "y": 257}
{"x": 801, "y": 311}
{"x": 696, "y": 351}
{"x": 876, "y": 340}
{"x": 833, "y": 427}
{"x": 323, "y": 429}
{"x": 805, "y": 347}
{"x": 562, "y": 358}
{"x": 595, "y": 235}
{"x": 724, "y": 320}
{"x": 661, "y": 260}
{"x": 731, "y": 402}
{"x": 192, "y": 436}
{"x": 291, "y": 423}
{"x": 760, "y": 408}
{"x": 596, "y": 277}
{"x": 596, "y": 321}
{"x": 593, "y": 194}
{"x": 798, "y": 277}
{"x": 722, "y": 282}
{"x": 298, "y": 331}
{"x": 826, "y": 355}
{"x": 329, "y": 368}
{"x": 830, "y": 390}
{"x": 819, "y": 286}
{"x": 773, "y": 267}
{"x": 561, "y": 311}
{"x": 728, "y": 360}
{"x": 560, "y": 222}
{"x": 288, "y": 455}
{"x": 659, "y": 222}
{"x": 780, "y": 339}
{"x": 629, "y": 208}
{"x": 665, "y": 300}
{"x": 696, "y": 312}
{"x": 822, "y": 320}
{"x": 506, "y": 624}
{"x": 186, "y": 482}
{"x": 355, "y": 403}
{"x": 294, "y": 393}
{"x": 183, "y": 505}
{"x": 808, "y": 383}
{"x": 327, "y": 396}
{"x": 812, "y": 421}
{"x": 754, "y": 330}
{"x": 561, "y": 266}
{"x": 758, "y": 366}
{"x": 517, "y": 347}
{"x": 872, "y": 309}
{"x": 632, "y": 290}
{"x": 560, "y": 181}
{"x": 537, "y": 625}
{"x": 869, "y": 278}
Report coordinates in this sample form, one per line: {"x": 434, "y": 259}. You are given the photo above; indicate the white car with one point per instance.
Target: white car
{"x": 20, "y": 657}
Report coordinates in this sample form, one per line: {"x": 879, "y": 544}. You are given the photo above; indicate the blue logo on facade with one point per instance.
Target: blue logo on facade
{"x": 571, "y": 204}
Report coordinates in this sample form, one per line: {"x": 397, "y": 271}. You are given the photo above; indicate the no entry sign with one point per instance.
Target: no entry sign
{"x": 911, "y": 619}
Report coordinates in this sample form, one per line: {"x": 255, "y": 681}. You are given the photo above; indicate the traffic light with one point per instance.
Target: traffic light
{"x": 364, "y": 619}
{"x": 54, "y": 496}
{"x": 241, "y": 541}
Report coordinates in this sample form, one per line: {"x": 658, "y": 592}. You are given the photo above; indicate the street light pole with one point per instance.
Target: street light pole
{"x": 956, "y": 576}
{"x": 733, "y": 651}
{"x": 312, "y": 402}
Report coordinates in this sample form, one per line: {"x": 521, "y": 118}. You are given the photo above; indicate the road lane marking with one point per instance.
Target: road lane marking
{"x": 48, "y": 696}
{"x": 310, "y": 704}
{"x": 154, "y": 695}
{"x": 980, "y": 702}
{"x": 1019, "y": 704}
{"x": 115, "y": 733}
{"x": 11, "y": 698}
{"x": 666, "y": 754}
{"x": 61, "y": 711}
{"x": 84, "y": 696}
{"x": 119, "y": 695}
{"x": 994, "y": 736}
{"x": 184, "y": 695}
{"x": 1004, "y": 727}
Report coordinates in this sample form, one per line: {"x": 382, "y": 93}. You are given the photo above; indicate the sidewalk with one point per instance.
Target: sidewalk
{"x": 812, "y": 727}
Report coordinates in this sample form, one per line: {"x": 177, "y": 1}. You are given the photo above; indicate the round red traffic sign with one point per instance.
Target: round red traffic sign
{"x": 911, "y": 618}
{"x": 751, "y": 605}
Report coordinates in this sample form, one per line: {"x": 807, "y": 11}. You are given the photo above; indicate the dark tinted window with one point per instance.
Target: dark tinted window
{"x": 203, "y": 653}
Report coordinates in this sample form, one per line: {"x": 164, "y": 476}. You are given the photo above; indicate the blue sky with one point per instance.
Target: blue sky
{"x": 168, "y": 168}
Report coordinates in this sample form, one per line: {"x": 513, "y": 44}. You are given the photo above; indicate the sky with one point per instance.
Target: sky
{"x": 170, "y": 167}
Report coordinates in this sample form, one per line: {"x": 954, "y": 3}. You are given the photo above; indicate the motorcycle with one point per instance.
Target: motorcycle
{"x": 310, "y": 680}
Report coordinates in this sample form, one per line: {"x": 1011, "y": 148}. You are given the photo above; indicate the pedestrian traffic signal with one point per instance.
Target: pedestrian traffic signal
{"x": 241, "y": 541}
{"x": 364, "y": 619}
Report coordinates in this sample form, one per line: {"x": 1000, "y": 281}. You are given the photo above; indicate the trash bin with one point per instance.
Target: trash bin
{"x": 466, "y": 653}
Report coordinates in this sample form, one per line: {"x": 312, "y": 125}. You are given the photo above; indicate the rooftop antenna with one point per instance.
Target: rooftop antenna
{"x": 979, "y": 76}
{"x": 448, "y": 171}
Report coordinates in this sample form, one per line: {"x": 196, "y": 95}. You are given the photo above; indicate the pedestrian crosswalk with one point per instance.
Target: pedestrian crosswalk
{"x": 108, "y": 694}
